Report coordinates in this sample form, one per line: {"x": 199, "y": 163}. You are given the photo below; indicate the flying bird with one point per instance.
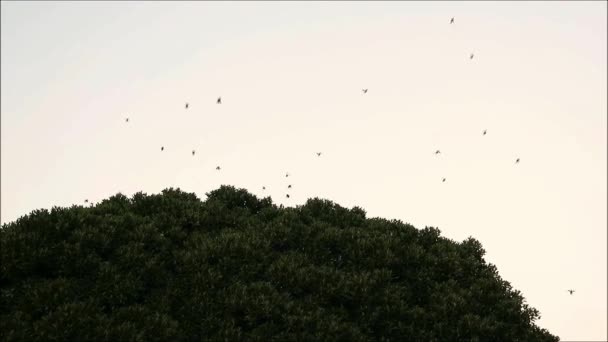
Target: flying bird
{"x": 289, "y": 186}
{"x": 364, "y": 91}
{"x": 186, "y": 105}
{"x": 162, "y": 148}
{"x": 571, "y": 292}
{"x": 437, "y": 152}
{"x": 127, "y": 120}
{"x": 452, "y": 21}
{"x": 218, "y": 168}
{"x": 86, "y": 201}
{"x": 485, "y": 131}
{"x": 263, "y": 188}
{"x": 472, "y": 56}
{"x": 287, "y": 174}
{"x": 219, "y": 100}
{"x": 517, "y": 161}
{"x": 287, "y": 195}
{"x": 318, "y": 154}
{"x": 443, "y": 180}
{"x": 193, "y": 152}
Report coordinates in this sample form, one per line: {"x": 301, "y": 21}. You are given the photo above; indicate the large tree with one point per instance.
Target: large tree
{"x": 235, "y": 267}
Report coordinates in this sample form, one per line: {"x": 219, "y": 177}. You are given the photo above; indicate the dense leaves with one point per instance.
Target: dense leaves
{"x": 235, "y": 267}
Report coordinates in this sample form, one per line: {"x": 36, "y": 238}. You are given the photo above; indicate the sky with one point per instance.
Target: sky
{"x": 290, "y": 75}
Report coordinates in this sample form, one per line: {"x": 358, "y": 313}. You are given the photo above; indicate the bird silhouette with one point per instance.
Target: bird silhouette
{"x": 287, "y": 174}
{"x": 187, "y": 105}
{"x": 193, "y": 152}
{"x": 517, "y": 161}
{"x": 571, "y": 292}
{"x": 452, "y": 21}
{"x": 472, "y": 55}
{"x": 443, "y": 180}
{"x": 318, "y": 154}
{"x": 127, "y": 120}
{"x": 364, "y": 91}
{"x": 287, "y": 195}
{"x": 86, "y": 201}
{"x": 219, "y": 100}
{"x": 485, "y": 131}
{"x": 162, "y": 148}
{"x": 437, "y": 152}
{"x": 263, "y": 188}
{"x": 289, "y": 186}
{"x": 218, "y": 168}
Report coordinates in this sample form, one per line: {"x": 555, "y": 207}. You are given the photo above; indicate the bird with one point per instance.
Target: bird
{"x": 485, "y": 131}
{"x": 318, "y": 154}
{"x": 517, "y": 161}
{"x": 218, "y": 168}
{"x": 452, "y": 20}
{"x": 289, "y": 186}
{"x": 287, "y": 174}
{"x": 162, "y": 148}
{"x": 86, "y": 201}
{"x": 263, "y": 188}
{"x": 571, "y": 292}
{"x": 437, "y": 152}
{"x": 127, "y": 120}
{"x": 186, "y": 105}
{"x": 364, "y": 91}
{"x": 287, "y": 195}
{"x": 443, "y": 180}
{"x": 219, "y": 100}
{"x": 472, "y": 56}
{"x": 193, "y": 152}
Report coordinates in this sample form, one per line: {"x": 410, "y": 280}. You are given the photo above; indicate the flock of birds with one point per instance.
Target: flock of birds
{"x": 218, "y": 168}
{"x": 364, "y": 91}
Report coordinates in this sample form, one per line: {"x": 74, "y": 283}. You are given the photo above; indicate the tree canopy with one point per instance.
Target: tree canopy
{"x": 235, "y": 267}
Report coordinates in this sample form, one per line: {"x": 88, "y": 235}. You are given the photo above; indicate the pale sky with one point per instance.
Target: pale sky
{"x": 290, "y": 75}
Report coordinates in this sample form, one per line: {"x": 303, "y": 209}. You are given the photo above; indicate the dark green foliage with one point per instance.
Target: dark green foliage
{"x": 171, "y": 267}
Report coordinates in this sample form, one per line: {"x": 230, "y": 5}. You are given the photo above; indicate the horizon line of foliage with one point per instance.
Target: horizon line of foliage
{"x": 234, "y": 267}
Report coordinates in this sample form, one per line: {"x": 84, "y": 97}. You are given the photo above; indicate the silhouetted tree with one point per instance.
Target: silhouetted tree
{"x": 235, "y": 267}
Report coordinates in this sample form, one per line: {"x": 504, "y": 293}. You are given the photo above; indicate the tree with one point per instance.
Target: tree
{"x": 234, "y": 267}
